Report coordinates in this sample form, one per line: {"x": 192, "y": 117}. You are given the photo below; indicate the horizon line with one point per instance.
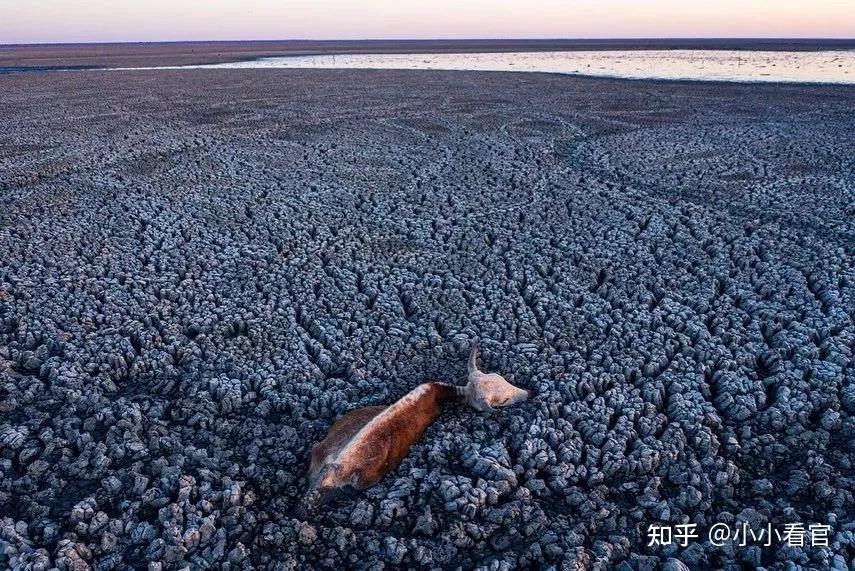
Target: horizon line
{"x": 440, "y": 39}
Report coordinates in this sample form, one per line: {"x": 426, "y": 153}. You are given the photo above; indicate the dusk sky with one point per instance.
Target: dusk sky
{"x": 152, "y": 20}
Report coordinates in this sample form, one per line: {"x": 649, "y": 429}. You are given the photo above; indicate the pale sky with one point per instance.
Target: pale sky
{"x": 31, "y": 21}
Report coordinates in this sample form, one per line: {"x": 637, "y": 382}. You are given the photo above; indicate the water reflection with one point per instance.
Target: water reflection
{"x": 709, "y": 65}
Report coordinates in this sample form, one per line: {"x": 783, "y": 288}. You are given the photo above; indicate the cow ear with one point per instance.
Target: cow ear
{"x": 472, "y": 366}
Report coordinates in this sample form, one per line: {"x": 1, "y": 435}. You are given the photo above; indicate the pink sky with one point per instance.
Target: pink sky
{"x": 151, "y": 20}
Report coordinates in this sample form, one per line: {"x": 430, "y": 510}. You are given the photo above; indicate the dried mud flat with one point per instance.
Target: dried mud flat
{"x": 51, "y": 56}
{"x": 199, "y": 271}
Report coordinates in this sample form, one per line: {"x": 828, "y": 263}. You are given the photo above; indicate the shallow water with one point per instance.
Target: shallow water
{"x": 705, "y": 65}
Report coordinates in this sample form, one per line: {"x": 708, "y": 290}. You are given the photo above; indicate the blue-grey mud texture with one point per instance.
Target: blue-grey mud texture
{"x": 201, "y": 270}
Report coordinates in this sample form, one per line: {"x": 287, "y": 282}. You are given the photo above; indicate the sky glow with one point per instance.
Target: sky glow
{"x": 39, "y": 21}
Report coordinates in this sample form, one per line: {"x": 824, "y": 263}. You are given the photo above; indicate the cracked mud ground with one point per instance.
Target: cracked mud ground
{"x": 202, "y": 270}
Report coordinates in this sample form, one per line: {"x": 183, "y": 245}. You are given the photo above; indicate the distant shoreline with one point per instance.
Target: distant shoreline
{"x": 46, "y": 57}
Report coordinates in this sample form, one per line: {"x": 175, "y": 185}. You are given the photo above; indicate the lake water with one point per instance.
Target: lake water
{"x": 704, "y": 65}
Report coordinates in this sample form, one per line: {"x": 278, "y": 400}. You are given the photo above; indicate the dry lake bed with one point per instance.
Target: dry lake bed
{"x": 200, "y": 270}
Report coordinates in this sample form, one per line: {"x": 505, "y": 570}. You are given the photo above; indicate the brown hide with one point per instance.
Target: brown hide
{"x": 344, "y": 429}
{"x": 400, "y": 431}
{"x": 367, "y": 443}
